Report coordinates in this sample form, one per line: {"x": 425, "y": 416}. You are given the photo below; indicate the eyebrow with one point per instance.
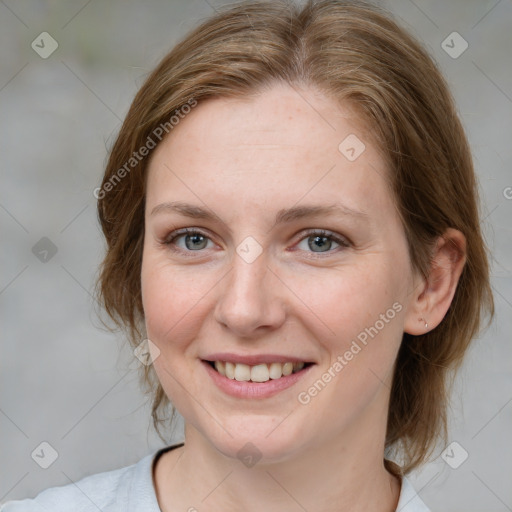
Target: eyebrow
{"x": 283, "y": 216}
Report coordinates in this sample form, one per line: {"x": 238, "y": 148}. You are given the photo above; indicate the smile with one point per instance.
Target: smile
{"x": 258, "y": 381}
{"x": 257, "y": 373}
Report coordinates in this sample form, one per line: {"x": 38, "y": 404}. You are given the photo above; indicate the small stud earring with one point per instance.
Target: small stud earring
{"x": 426, "y": 325}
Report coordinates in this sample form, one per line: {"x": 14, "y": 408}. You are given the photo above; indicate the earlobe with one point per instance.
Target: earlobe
{"x": 433, "y": 296}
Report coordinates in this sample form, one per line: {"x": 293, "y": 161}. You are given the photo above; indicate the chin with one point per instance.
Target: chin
{"x": 259, "y": 437}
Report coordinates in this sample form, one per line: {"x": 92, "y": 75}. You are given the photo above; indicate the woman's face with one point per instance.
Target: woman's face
{"x": 295, "y": 253}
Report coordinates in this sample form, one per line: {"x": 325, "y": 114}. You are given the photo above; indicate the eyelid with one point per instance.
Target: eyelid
{"x": 340, "y": 239}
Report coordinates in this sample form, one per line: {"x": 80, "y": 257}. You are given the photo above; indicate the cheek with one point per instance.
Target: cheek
{"x": 359, "y": 323}
{"x": 168, "y": 298}
{"x": 346, "y": 301}
{"x": 176, "y": 302}
{"x": 358, "y": 320}
{"x": 173, "y": 312}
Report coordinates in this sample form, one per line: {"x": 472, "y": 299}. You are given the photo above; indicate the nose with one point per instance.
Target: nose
{"x": 251, "y": 300}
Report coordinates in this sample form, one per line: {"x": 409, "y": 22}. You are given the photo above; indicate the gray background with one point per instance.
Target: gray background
{"x": 67, "y": 381}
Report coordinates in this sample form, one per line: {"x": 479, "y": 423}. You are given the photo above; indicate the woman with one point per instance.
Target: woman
{"x": 292, "y": 228}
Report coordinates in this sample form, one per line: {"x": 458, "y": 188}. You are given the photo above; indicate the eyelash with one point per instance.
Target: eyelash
{"x": 344, "y": 243}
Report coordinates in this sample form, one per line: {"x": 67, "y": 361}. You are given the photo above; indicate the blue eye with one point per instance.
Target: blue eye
{"x": 194, "y": 240}
{"x": 321, "y": 241}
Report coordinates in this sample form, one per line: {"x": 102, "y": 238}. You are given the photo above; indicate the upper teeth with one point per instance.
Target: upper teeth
{"x": 257, "y": 373}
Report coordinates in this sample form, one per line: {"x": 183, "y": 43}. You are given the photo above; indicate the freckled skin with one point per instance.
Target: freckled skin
{"x": 245, "y": 160}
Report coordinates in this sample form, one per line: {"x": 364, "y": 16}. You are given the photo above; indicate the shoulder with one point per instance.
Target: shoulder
{"x": 409, "y": 500}
{"x": 93, "y": 492}
{"x": 109, "y": 491}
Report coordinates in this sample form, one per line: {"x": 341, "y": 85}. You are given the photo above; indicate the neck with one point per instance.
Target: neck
{"x": 330, "y": 475}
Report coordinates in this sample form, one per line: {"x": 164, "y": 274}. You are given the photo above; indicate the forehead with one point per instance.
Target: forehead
{"x": 277, "y": 148}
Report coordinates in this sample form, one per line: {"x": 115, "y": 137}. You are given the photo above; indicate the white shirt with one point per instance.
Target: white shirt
{"x": 131, "y": 489}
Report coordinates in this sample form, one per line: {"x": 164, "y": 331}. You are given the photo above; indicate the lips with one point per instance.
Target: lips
{"x": 256, "y": 373}
{"x": 258, "y": 388}
{"x": 255, "y": 368}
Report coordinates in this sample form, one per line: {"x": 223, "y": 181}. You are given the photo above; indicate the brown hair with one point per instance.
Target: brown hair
{"x": 353, "y": 52}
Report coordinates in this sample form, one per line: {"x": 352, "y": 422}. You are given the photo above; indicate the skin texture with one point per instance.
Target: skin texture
{"x": 244, "y": 160}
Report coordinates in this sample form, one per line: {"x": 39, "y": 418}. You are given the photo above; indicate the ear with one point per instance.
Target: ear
{"x": 432, "y": 297}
